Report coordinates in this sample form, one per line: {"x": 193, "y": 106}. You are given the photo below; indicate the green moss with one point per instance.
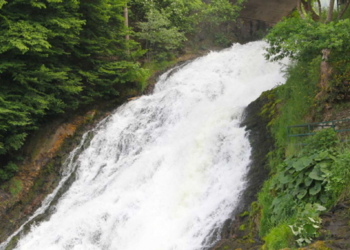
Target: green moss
{"x": 279, "y": 237}
{"x": 15, "y": 187}
{"x": 242, "y": 227}
{"x": 244, "y": 214}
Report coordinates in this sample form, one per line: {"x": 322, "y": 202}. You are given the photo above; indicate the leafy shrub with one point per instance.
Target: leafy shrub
{"x": 279, "y": 237}
{"x": 306, "y": 225}
{"x": 8, "y": 171}
{"x": 339, "y": 179}
{"x": 323, "y": 140}
{"x": 300, "y": 182}
{"x": 162, "y": 38}
{"x": 340, "y": 81}
{"x": 305, "y": 177}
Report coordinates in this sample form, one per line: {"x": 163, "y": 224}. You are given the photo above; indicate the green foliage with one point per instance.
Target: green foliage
{"x": 8, "y": 171}
{"x": 164, "y": 24}
{"x": 15, "y": 187}
{"x": 182, "y": 14}
{"x": 265, "y": 199}
{"x": 304, "y": 177}
{"x": 270, "y": 109}
{"x": 161, "y": 37}
{"x": 295, "y": 98}
{"x": 305, "y": 39}
{"x": 279, "y": 237}
{"x": 242, "y": 227}
{"x": 316, "y": 169}
{"x": 323, "y": 140}
{"x": 221, "y": 39}
{"x": 340, "y": 81}
{"x": 339, "y": 179}
{"x": 57, "y": 56}
{"x": 306, "y": 226}
{"x": 219, "y": 11}
{"x": 311, "y": 176}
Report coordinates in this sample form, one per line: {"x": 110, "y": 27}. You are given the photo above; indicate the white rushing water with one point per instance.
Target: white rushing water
{"x": 165, "y": 170}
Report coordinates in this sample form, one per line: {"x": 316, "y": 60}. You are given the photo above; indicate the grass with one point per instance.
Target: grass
{"x": 298, "y": 97}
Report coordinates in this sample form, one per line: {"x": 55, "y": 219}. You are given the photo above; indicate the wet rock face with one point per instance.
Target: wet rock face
{"x": 235, "y": 229}
{"x": 335, "y": 232}
{"x": 262, "y": 143}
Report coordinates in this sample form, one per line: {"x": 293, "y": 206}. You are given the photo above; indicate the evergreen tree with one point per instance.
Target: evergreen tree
{"x": 56, "y": 55}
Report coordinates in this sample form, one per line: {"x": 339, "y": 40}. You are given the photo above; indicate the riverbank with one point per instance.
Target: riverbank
{"x": 316, "y": 207}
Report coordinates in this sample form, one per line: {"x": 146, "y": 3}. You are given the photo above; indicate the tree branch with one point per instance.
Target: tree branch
{"x": 344, "y": 9}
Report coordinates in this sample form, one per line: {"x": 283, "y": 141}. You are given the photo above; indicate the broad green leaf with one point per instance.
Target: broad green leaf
{"x": 310, "y": 230}
{"x": 302, "y": 193}
{"x": 316, "y": 174}
{"x": 308, "y": 181}
{"x": 319, "y": 207}
{"x": 315, "y": 189}
{"x": 302, "y": 163}
{"x": 284, "y": 179}
{"x": 299, "y": 179}
{"x": 323, "y": 167}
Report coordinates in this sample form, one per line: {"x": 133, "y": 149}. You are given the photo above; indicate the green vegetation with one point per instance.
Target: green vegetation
{"x": 305, "y": 39}
{"x": 57, "y": 56}
{"x": 302, "y": 186}
{"x": 15, "y": 187}
{"x": 308, "y": 175}
{"x": 163, "y": 26}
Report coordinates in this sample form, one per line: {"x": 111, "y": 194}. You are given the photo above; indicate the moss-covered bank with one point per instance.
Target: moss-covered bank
{"x": 304, "y": 203}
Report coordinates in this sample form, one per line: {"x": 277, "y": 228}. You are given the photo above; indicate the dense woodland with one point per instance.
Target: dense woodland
{"x": 57, "y": 56}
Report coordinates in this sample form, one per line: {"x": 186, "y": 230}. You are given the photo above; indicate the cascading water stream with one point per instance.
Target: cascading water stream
{"x": 164, "y": 171}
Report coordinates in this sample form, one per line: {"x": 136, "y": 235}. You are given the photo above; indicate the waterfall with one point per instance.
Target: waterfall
{"x": 164, "y": 171}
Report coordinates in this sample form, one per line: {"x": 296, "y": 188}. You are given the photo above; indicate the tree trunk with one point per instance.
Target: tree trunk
{"x": 330, "y": 11}
{"x": 319, "y": 8}
{"x": 126, "y": 16}
{"x": 127, "y": 37}
{"x": 346, "y": 5}
{"x": 326, "y": 71}
{"x": 300, "y": 9}
{"x": 308, "y": 9}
